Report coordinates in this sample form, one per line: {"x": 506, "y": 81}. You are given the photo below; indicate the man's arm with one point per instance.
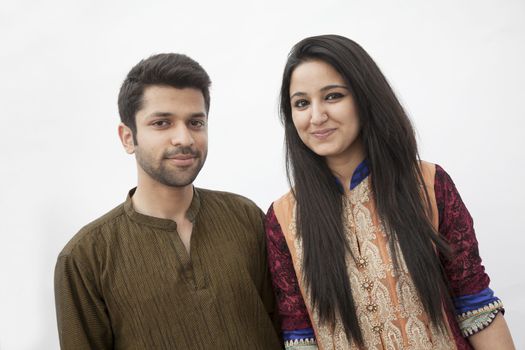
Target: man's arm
{"x": 83, "y": 322}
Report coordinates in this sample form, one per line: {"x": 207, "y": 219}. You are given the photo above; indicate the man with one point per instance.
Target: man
{"x": 174, "y": 266}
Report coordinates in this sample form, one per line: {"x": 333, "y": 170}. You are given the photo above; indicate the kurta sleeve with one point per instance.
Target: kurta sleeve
{"x": 83, "y": 322}
{"x": 296, "y": 327}
{"x": 475, "y": 303}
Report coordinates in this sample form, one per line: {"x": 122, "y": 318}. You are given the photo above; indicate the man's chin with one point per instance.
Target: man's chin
{"x": 181, "y": 181}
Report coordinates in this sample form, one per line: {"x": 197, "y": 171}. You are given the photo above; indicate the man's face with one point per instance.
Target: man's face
{"x": 172, "y": 135}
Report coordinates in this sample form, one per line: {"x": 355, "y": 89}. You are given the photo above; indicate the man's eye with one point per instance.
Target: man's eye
{"x": 300, "y": 103}
{"x": 333, "y": 96}
{"x": 160, "y": 123}
{"x": 197, "y": 123}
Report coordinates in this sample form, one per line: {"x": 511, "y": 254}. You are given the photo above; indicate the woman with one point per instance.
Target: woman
{"x": 372, "y": 248}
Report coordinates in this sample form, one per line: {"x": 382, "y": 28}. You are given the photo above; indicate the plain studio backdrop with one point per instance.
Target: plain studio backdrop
{"x": 457, "y": 67}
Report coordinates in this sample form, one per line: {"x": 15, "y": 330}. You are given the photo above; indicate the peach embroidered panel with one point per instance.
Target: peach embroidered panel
{"x": 391, "y": 315}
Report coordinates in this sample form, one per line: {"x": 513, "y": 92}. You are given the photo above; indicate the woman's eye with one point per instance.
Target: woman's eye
{"x": 300, "y": 103}
{"x": 334, "y": 96}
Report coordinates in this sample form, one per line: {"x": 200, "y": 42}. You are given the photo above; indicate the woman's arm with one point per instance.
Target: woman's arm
{"x": 296, "y": 327}
{"x": 495, "y": 336}
{"x": 478, "y": 311}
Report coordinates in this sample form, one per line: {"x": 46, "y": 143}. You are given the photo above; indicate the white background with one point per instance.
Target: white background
{"x": 457, "y": 67}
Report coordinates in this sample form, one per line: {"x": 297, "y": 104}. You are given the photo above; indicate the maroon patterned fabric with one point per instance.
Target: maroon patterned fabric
{"x": 465, "y": 272}
{"x": 292, "y": 309}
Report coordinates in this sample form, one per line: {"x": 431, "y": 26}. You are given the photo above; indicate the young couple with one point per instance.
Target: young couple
{"x": 372, "y": 248}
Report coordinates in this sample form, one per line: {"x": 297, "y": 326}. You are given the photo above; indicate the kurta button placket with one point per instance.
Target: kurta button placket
{"x": 362, "y": 262}
{"x": 377, "y": 328}
{"x": 371, "y": 307}
{"x": 367, "y": 285}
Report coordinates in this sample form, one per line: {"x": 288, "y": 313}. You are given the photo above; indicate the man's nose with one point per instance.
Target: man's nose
{"x": 181, "y": 136}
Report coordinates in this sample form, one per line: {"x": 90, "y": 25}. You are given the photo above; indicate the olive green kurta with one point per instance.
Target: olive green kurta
{"x": 125, "y": 281}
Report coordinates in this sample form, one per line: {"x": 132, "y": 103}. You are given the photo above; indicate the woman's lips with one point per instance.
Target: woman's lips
{"x": 323, "y": 133}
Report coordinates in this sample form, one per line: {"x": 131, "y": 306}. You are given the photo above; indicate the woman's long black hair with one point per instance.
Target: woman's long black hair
{"x": 397, "y": 186}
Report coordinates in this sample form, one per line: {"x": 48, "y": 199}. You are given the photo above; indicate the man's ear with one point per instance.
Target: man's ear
{"x": 126, "y": 137}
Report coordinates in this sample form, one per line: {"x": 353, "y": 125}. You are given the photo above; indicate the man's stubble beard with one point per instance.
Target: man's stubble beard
{"x": 160, "y": 171}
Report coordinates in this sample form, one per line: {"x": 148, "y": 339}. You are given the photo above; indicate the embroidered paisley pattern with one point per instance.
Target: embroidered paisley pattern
{"x": 391, "y": 315}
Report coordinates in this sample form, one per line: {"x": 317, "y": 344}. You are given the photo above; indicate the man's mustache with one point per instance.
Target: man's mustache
{"x": 182, "y": 150}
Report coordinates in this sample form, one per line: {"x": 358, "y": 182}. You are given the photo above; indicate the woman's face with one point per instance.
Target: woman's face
{"x": 324, "y": 112}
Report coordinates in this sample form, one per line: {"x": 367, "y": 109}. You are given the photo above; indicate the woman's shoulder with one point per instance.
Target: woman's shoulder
{"x": 435, "y": 175}
{"x": 431, "y": 168}
{"x": 288, "y": 197}
{"x": 282, "y": 208}
{"x": 284, "y": 204}
{"x": 428, "y": 169}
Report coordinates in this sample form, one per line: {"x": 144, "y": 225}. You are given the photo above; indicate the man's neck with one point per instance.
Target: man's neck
{"x": 161, "y": 201}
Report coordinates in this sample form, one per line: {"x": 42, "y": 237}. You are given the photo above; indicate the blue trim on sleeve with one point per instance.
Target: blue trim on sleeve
{"x": 306, "y": 333}
{"x": 474, "y": 301}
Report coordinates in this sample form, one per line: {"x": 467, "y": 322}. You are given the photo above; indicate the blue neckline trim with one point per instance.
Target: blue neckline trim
{"x": 360, "y": 173}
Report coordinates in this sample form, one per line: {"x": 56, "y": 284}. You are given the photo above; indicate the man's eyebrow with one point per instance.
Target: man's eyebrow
{"x": 198, "y": 115}
{"x": 169, "y": 114}
{"x": 324, "y": 88}
{"x": 159, "y": 114}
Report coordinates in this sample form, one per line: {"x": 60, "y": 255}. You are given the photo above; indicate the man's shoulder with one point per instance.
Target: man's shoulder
{"x": 86, "y": 237}
{"x": 228, "y": 199}
{"x": 230, "y": 207}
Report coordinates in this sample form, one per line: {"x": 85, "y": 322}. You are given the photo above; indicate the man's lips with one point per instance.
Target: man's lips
{"x": 182, "y": 156}
{"x": 323, "y": 133}
{"x": 182, "y": 159}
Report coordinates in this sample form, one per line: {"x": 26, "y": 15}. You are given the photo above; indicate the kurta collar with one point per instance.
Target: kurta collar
{"x": 360, "y": 173}
{"x": 161, "y": 223}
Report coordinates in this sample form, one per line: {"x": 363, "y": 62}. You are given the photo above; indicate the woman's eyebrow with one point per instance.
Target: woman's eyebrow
{"x": 333, "y": 86}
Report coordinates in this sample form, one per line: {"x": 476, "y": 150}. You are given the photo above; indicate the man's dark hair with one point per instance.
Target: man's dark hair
{"x": 168, "y": 69}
